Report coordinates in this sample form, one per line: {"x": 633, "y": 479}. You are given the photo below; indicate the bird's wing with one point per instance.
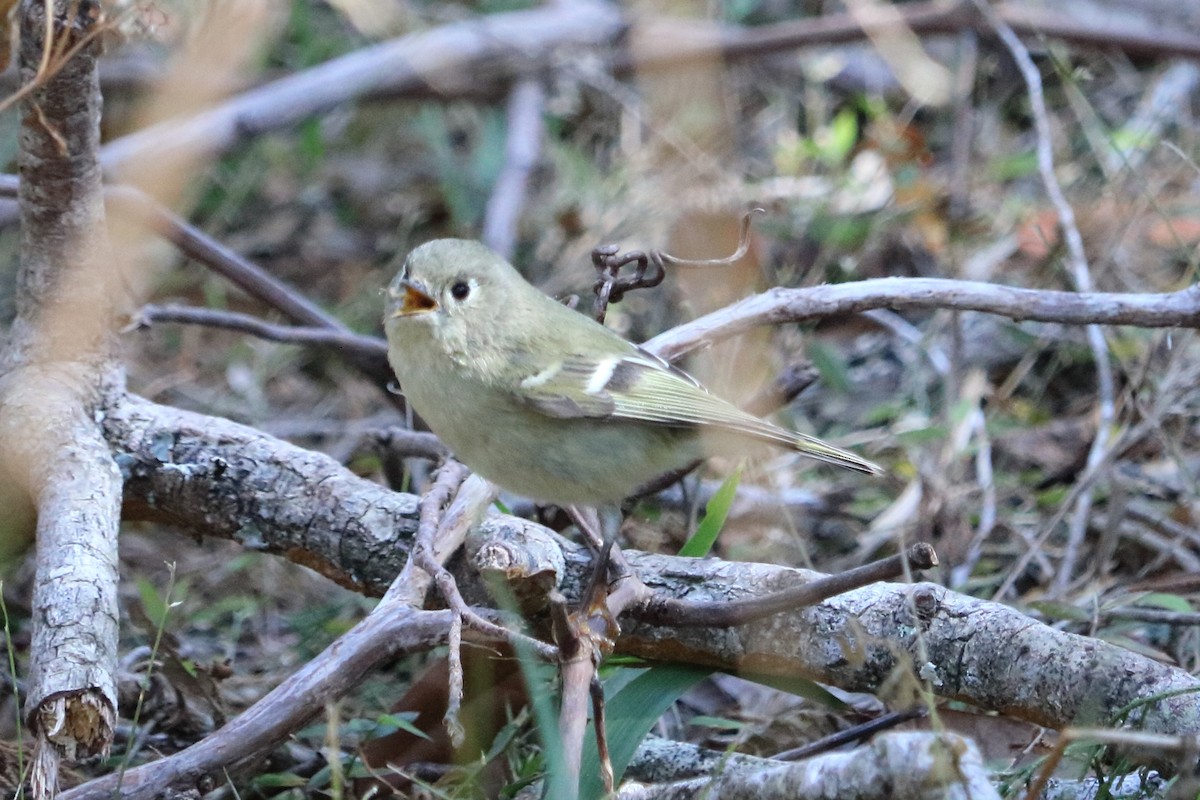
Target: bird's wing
{"x": 641, "y": 387}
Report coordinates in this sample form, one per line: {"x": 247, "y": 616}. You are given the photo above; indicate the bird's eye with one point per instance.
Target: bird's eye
{"x": 460, "y": 290}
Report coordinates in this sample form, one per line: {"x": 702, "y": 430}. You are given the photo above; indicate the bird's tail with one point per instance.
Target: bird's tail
{"x": 821, "y": 451}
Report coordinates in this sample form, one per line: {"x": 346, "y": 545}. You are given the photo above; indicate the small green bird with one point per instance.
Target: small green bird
{"x": 544, "y": 401}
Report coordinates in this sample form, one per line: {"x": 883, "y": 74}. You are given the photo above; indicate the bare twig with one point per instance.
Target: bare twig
{"x": 1080, "y": 276}
{"x": 403, "y": 442}
{"x": 921, "y": 18}
{"x": 1163, "y": 524}
{"x": 449, "y": 478}
{"x": 240, "y": 271}
{"x": 659, "y": 609}
{"x": 649, "y": 268}
{"x": 1150, "y": 310}
{"x": 433, "y": 546}
{"x": 577, "y": 667}
{"x": 521, "y": 152}
{"x": 856, "y": 733}
{"x": 599, "y": 717}
{"x": 368, "y": 346}
{"x": 454, "y": 687}
{"x": 610, "y": 286}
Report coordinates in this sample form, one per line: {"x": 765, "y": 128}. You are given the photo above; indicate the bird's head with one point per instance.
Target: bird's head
{"x": 446, "y": 281}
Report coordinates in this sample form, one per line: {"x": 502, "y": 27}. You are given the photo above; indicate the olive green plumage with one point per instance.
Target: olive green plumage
{"x": 543, "y": 400}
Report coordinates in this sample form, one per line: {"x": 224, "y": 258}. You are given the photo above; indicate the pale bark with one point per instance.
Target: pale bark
{"x": 894, "y": 766}
{"x": 210, "y": 475}
{"x": 57, "y": 368}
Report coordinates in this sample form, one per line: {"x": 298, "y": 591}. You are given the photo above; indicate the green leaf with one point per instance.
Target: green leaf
{"x": 538, "y": 677}
{"x": 801, "y": 687}
{"x": 830, "y": 366}
{"x": 631, "y": 713}
{"x": 1170, "y": 602}
{"x": 715, "y": 513}
{"x": 401, "y": 723}
{"x": 154, "y": 606}
{"x": 278, "y": 780}
{"x": 1061, "y": 611}
{"x": 1014, "y": 166}
{"x": 718, "y": 723}
{"x": 837, "y": 139}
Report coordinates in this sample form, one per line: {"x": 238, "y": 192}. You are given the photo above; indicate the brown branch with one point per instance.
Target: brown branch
{"x": 929, "y": 18}
{"x": 663, "y": 609}
{"x": 365, "y": 347}
{"x": 238, "y": 270}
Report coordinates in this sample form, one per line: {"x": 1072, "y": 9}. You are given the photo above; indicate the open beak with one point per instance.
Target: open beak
{"x": 413, "y": 300}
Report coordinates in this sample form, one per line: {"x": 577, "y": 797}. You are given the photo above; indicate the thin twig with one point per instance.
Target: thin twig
{"x": 435, "y": 543}
{"x": 577, "y": 667}
{"x": 369, "y": 346}
{"x": 1080, "y": 276}
{"x": 240, "y": 271}
{"x": 454, "y": 688}
{"x": 405, "y": 443}
{"x": 681, "y": 613}
{"x": 650, "y": 268}
{"x": 450, "y": 477}
{"x": 1148, "y": 310}
{"x": 522, "y": 149}
{"x": 599, "y": 717}
{"x": 928, "y": 18}
{"x": 856, "y": 733}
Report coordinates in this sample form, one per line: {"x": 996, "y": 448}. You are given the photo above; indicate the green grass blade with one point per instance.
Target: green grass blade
{"x": 631, "y": 712}
{"x": 715, "y": 514}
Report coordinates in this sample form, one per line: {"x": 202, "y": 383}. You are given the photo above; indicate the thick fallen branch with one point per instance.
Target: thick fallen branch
{"x": 209, "y": 475}
{"x": 894, "y": 766}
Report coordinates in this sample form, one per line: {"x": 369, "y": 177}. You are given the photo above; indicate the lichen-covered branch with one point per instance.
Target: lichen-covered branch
{"x": 208, "y": 476}
{"x": 179, "y": 464}
{"x": 54, "y": 374}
